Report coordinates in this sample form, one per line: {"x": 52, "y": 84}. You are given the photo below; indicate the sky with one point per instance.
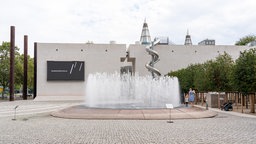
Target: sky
{"x": 102, "y": 21}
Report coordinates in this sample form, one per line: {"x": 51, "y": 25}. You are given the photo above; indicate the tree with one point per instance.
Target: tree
{"x": 245, "y": 40}
{"x": 200, "y": 81}
{"x": 244, "y": 72}
{"x": 244, "y": 75}
{"x": 186, "y": 76}
{"x": 213, "y": 75}
{"x": 30, "y": 72}
{"x": 5, "y": 64}
{"x": 19, "y": 60}
{"x": 218, "y": 73}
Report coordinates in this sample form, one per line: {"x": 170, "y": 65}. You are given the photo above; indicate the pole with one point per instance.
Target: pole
{"x": 252, "y": 102}
{"x": 12, "y": 57}
{"x": 14, "y": 117}
{"x": 25, "y": 68}
{"x": 206, "y": 105}
{"x": 170, "y": 117}
{"x": 242, "y": 103}
{"x": 35, "y": 70}
{"x": 218, "y": 100}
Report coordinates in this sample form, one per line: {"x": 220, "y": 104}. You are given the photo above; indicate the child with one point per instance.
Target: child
{"x": 186, "y": 100}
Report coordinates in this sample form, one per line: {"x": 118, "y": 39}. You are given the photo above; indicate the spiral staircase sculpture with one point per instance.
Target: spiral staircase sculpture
{"x": 155, "y": 58}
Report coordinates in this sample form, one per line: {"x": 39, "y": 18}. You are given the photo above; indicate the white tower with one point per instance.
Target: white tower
{"x": 145, "y": 36}
{"x": 188, "y": 40}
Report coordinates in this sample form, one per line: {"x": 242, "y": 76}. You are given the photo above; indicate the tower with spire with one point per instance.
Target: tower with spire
{"x": 188, "y": 40}
{"x": 145, "y": 36}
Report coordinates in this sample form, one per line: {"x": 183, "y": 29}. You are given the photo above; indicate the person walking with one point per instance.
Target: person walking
{"x": 191, "y": 96}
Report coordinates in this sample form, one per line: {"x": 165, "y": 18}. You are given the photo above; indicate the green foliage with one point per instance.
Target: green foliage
{"x": 190, "y": 77}
{"x": 218, "y": 73}
{"x": 30, "y": 72}
{"x": 18, "y": 69}
{"x": 221, "y": 74}
{"x": 200, "y": 81}
{"x": 245, "y": 40}
{"x": 4, "y": 64}
{"x": 213, "y": 75}
{"x": 184, "y": 78}
{"x": 244, "y": 72}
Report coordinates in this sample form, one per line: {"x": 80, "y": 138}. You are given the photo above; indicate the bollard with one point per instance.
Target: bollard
{"x": 206, "y": 105}
{"x": 14, "y": 117}
{"x": 170, "y": 107}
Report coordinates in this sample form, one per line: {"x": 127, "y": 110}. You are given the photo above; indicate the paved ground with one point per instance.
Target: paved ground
{"x": 182, "y": 112}
{"x": 38, "y": 126}
{"x": 238, "y": 109}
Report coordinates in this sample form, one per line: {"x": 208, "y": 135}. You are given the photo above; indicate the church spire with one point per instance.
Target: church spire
{"x": 145, "y": 36}
{"x": 188, "y": 40}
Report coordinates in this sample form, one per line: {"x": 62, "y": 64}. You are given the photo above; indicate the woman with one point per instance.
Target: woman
{"x": 191, "y": 96}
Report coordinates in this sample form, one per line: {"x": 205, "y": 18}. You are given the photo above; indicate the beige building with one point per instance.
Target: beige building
{"x": 61, "y": 69}
{"x": 80, "y": 60}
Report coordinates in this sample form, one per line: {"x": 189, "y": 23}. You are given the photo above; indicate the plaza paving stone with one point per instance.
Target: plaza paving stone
{"x": 40, "y": 127}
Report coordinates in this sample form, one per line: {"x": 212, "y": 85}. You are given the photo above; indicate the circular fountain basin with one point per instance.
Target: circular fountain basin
{"x": 83, "y": 112}
{"x": 115, "y": 96}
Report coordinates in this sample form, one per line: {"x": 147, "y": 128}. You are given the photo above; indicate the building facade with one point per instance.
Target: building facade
{"x": 84, "y": 59}
{"x": 62, "y": 69}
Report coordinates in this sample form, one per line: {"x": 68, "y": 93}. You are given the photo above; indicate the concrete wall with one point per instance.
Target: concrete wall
{"x": 175, "y": 57}
{"x": 97, "y": 58}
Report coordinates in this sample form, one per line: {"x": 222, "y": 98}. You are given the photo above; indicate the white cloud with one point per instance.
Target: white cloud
{"x": 101, "y": 21}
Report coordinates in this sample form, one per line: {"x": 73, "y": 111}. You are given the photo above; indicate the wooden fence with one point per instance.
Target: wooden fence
{"x": 241, "y": 102}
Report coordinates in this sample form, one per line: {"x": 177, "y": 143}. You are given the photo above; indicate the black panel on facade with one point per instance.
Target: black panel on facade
{"x": 65, "y": 70}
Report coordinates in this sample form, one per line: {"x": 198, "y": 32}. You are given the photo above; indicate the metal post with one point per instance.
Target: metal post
{"x": 252, "y": 103}
{"x": 25, "y": 68}
{"x": 246, "y": 101}
{"x": 170, "y": 117}
{"x": 35, "y": 69}
{"x": 237, "y": 101}
{"x": 14, "y": 117}
{"x": 170, "y": 107}
{"x": 202, "y": 98}
{"x": 206, "y": 105}
{"x": 12, "y": 57}
{"x": 242, "y": 103}
{"x": 218, "y": 100}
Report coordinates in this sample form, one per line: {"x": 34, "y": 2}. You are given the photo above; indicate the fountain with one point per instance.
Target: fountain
{"x": 127, "y": 95}
{"x": 127, "y": 91}
{"x": 130, "y": 92}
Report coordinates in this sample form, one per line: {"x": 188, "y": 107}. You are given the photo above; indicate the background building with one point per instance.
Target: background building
{"x": 110, "y": 58}
{"x": 62, "y": 69}
{"x": 207, "y": 42}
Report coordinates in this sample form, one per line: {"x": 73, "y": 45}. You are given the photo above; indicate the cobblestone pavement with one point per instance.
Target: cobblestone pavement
{"x": 42, "y": 128}
{"x": 31, "y": 107}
